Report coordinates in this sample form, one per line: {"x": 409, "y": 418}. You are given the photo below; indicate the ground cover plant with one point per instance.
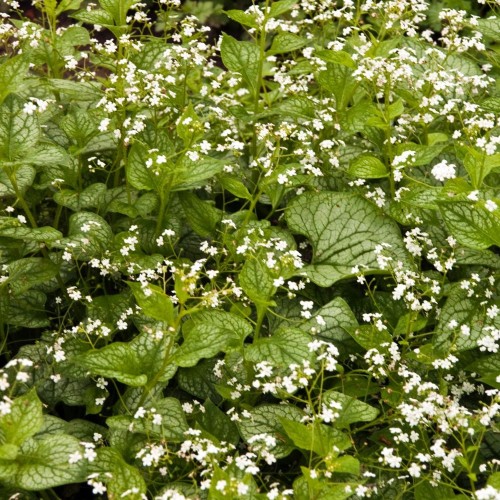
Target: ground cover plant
{"x": 256, "y": 261}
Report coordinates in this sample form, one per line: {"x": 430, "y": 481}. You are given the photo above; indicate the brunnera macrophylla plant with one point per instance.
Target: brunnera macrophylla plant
{"x": 252, "y": 266}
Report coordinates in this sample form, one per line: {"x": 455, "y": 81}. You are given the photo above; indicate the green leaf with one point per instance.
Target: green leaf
{"x": 26, "y": 309}
{"x": 117, "y": 8}
{"x": 118, "y": 476}
{"x": 235, "y": 186}
{"x": 494, "y": 481}
{"x": 284, "y": 347}
{"x": 368, "y": 167}
{"x": 491, "y": 104}
{"x": 352, "y": 410}
{"x": 218, "y": 423}
{"x": 72, "y": 37}
{"x": 18, "y": 181}
{"x": 202, "y": 216}
{"x": 306, "y": 487}
{"x": 368, "y": 337}
{"x": 267, "y": 419}
{"x": 117, "y": 360}
{"x": 424, "y": 490}
{"x": 488, "y": 369}
{"x": 478, "y": 165}
{"x": 489, "y": 27}
{"x": 19, "y": 131}
{"x": 46, "y": 154}
{"x": 189, "y": 127}
{"x": 134, "y": 363}
{"x": 200, "y": 380}
{"x": 138, "y": 174}
{"x": 83, "y": 91}
{"x": 89, "y": 236}
{"x": 242, "y": 58}
{"x": 395, "y": 109}
{"x": 338, "y": 322}
{"x": 286, "y": 42}
{"x": 347, "y": 465}
{"x": 44, "y": 463}
{"x": 173, "y": 422}
{"x": 336, "y": 57}
{"x": 27, "y": 273}
{"x": 320, "y": 438}
{"x": 90, "y": 197}
{"x": 24, "y": 420}
{"x": 191, "y": 174}
{"x": 66, "y": 5}
{"x": 242, "y": 18}
{"x": 96, "y": 16}
{"x": 154, "y": 302}
{"x": 219, "y": 331}
{"x": 297, "y": 107}
{"x": 473, "y": 225}
{"x": 281, "y": 6}
{"x": 424, "y": 154}
{"x": 79, "y": 126}
{"x": 338, "y": 79}
{"x": 12, "y": 75}
{"x": 344, "y": 230}
{"x": 465, "y": 311}
{"x": 256, "y": 281}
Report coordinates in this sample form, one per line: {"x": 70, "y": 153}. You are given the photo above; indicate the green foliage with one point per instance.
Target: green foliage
{"x": 249, "y": 251}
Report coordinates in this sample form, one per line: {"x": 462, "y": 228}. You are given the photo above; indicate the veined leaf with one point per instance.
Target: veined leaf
{"x": 89, "y": 235}
{"x": 85, "y": 91}
{"x": 96, "y": 16}
{"x": 44, "y": 463}
{"x": 488, "y": 369}
{"x": 207, "y": 339}
{"x": 117, "y": 360}
{"x": 90, "y": 197}
{"x": 20, "y": 179}
{"x": 19, "y": 131}
{"x": 465, "y": 311}
{"x": 154, "y": 302}
{"x": 320, "y": 438}
{"x": 138, "y": 174}
{"x": 267, "y": 419}
{"x": 336, "y": 57}
{"x": 117, "y": 8}
{"x": 281, "y": 6}
{"x": 336, "y": 323}
{"x": 201, "y": 215}
{"x": 189, "y": 174}
{"x": 242, "y": 18}
{"x": 172, "y": 427}
{"x": 344, "y": 230}
{"x": 24, "y": 420}
{"x": 133, "y": 363}
{"x": 241, "y": 58}
{"x": 27, "y": 273}
{"x": 352, "y": 409}
{"x": 473, "y": 225}
{"x": 119, "y": 476}
{"x": 281, "y": 349}
{"x": 189, "y": 127}
{"x": 235, "y": 186}
{"x": 286, "y": 42}
{"x": 368, "y": 167}
{"x": 12, "y": 74}
{"x": 256, "y": 281}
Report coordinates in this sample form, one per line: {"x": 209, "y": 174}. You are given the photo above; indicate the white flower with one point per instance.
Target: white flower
{"x": 490, "y": 205}
{"x": 442, "y": 171}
